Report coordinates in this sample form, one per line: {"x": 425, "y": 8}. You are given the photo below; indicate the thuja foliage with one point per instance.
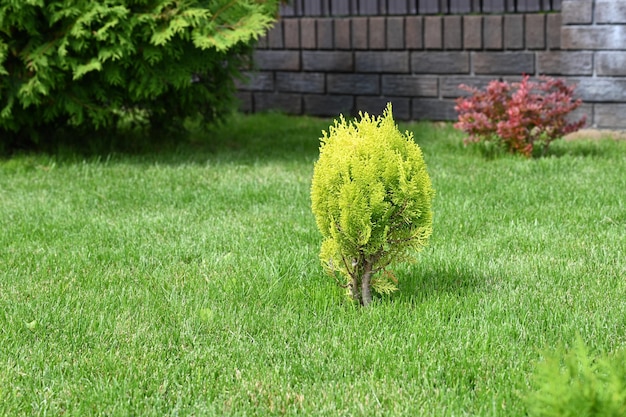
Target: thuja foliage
{"x": 578, "y": 384}
{"x": 522, "y": 117}
{"x": 96, "y": 64}
{"x": 371, "y": 197}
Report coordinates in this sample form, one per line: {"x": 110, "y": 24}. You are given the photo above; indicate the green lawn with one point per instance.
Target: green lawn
{"x": 188, "y": 282}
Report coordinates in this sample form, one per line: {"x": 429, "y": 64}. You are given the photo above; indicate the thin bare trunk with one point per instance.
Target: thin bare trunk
{"x": 366, "y": 284}
{"x": 355, "y": 288}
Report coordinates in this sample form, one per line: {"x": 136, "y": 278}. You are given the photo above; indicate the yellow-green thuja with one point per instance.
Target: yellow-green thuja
{"x": 371, "y": 196}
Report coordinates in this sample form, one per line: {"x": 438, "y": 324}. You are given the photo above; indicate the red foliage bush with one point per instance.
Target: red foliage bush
{"x": 518, "y": 116}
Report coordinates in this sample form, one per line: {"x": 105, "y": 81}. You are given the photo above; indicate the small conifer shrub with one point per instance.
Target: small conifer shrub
{"x": 578, "y": 384}
{"x": 371, "y": 197}
{"x": 522, "y": 117}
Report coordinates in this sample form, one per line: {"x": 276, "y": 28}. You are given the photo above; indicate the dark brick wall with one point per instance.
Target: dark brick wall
{"x": 593, "y": 52}
{"x": 329, "y": 65}
{"x": 404, "y": 7}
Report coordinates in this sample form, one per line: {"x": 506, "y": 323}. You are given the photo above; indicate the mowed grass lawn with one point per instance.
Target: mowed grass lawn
{"x": 188, "y": 282}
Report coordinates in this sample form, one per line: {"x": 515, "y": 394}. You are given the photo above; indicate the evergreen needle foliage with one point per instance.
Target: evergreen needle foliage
{"x": 371, "y": 196}
{"x": 576, "y": 384}
{"x": 96, "y": 65}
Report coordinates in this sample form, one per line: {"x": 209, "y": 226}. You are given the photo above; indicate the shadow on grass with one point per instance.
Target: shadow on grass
{"x": 274, "y": 136}
{"x": 421, "y": 282}
{"x": 240, "y": 138}
{"x": 271, "y": 135}
{"x": 586, "y": 148}
{"x": 603, "y": 147}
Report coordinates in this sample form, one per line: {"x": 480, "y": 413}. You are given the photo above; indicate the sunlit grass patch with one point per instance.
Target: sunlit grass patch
{"x": 189, "y": 283}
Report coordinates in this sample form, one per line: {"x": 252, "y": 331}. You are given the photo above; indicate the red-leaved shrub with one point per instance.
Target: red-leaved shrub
{"x": 521, "y": 117}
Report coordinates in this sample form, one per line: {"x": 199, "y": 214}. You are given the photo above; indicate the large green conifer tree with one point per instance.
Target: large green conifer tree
{"x": 90, "y": 64}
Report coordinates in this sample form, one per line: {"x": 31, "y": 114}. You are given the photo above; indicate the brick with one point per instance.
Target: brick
{"x": 286, "y": 10}
{"x": 517, "y": 78}
{"x": 359, "y": 33}
{"x": 275, "y": 36}
{"x": 426, "y": 7}
{"x": 353, "y": 83}
{"x": 325, "y": 34}
{"x": 460, "y": 6}
{"x": 495, "y": 6}
{"x": 501, "y": 63}
{"x": 244, "y": 101}
{"x": 382, "y": 61}
{"x": 593, "y": 37}
{"x": 433, "y": 109}
{"x": 288, "y": 103}
{"x": 585, "y": 110}
{"x": 376, "y": 105}
{"x": 395, "y": 33}
{"x": 565, "y": 63}
{"x": 342, "y": 33}
{"x": 368, "y": 7}
{"x": 433, "y": 33}
{"x": 610, "y": 11}
{"x": 340, "y": 8}
{"x": 377, "y": 33}
{"x": 610, "y": 116}
{"x": 409, "y": 85}
{"x": 300, "y": 82}
{"x": 291, "y": 30}
{"x": 256, "y": 81}
{"x": 577, "y": 11}
{"x": 440, "y": 62}
{"x": 449, "y": 86}
{"x": 602, "y": 89}
{"x": 452, "y": 32}
{"x": 327, "y": 61}
{"x": 513, "y": 31}
{"x": 262, "y": 42}
{"x": 277, "y": 60}
{"x": 611, "y": 63}
{"x": 472, "y": 32}
{"x": 308, "y": 37}
{"x": 492, "y": 32}
{"x": 553, "y": 31}
{"x": 328, "y": 105}
{"x": 535, "y": 31}
{"x": 397, "y": 8}
{"x": 413, "y": 38}
{"x": 311, "y": 8}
